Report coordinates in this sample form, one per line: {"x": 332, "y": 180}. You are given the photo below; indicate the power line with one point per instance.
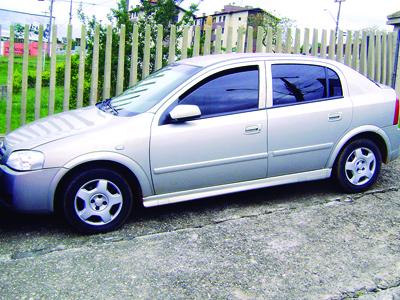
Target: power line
{"x": 84, "y": 2}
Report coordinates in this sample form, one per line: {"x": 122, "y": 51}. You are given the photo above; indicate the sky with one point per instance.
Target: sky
{"x": 355, "y": 14}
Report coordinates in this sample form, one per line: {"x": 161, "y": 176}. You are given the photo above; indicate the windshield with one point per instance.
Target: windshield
{"x": 148, "y": 92}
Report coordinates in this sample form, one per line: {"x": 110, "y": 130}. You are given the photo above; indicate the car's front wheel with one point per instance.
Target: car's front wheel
{"x": 97, "y": 200}
{"x": 358, "y": 166}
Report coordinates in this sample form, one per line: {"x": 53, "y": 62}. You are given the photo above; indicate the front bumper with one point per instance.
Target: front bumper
{"x": 27, "y": 191}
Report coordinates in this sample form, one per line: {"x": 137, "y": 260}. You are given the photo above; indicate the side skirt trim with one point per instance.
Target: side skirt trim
{"x": 181, "y": 196}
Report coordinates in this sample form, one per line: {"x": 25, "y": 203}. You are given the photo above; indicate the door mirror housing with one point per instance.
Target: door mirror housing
{"x": 182, "y": 113}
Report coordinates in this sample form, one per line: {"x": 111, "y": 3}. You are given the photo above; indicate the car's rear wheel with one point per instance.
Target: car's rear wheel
{"x": 97, "y": 200}
{"x": 358, "y": 166}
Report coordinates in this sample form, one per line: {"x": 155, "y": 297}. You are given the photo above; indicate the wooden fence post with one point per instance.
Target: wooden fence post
{"x": 297, "y": 41}
{"x": 278, "y": 44}
{"x": 39, "y": 68}
{"x": 229, "y": 40}
{"x": 25, "y": 63}
{"x": 269, "y": 40}
{"x": 67, "y": 74}
{"x": 159, "y": 48}
{"x": 371, "y": 56}
{"x": 185, "y": 42}
{"x": 332, "y": 45}
{"x": 240, "y": 41}
{"x": 218, "y": 40}
{"x": 378, "y": 57}
{"x": 384, "y": 58}
{"x": 363, "y": 54}
{"x": 207, "y": 40}
{"x": 196, "y": 45}
{"x": 322, "y": 52}
{"x": 146, "y": 54}
{"x": 249, "y": 41}
{"x": 314, "y": 48}
{"x": 121, "y": 61}
{"x": 339, "y": 50}
{"x": 347, "y": 54}
{"x": 10, "y": 76}
{"x": 81, "y": 72}
{"x": 306, "y": 42}
{"x": 95, "y": 67}
{"x": 134, "y": 56}
{"x": 172, "y": 44}
{"x": 107, "y": 64}
{"x": 288, "y": 41}
{"x": 356, "y": 51}
{"x": 260, "y": 37}
{"x": 53, "y": 65}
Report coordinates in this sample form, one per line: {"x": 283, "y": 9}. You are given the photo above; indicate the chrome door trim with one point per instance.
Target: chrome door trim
{"x": 234, "y": 187}
{"x": 210, "y": 163}
{"x": 302, "y": 149}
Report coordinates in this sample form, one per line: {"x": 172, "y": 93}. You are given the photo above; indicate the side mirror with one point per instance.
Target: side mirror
{"x": 182, "y": 113}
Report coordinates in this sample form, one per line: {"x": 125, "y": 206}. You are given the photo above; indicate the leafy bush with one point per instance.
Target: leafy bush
{"x": 17, "y": 82}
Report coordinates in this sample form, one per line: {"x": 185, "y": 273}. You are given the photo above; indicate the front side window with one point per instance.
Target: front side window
{"x": 297, "y": 83}
{"x": 226, "y": 92}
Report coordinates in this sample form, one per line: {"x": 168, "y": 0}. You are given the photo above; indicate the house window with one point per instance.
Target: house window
{"x": 223, "y": 19}
{"x": 240, "y": 18}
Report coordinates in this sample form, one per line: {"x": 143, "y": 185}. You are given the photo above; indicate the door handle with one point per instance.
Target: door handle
{"x": 253, "y": 129}
{"x": 335, "y": 117}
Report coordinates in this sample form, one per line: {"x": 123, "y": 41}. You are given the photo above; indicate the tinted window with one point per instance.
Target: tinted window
{"x": 298, "y": 83}
{"x": 301, "y": 83}
{"x": 230, "y": 91}
{"x": 335, "y": 87}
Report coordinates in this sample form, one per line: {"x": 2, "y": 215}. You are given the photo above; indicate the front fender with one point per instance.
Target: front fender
{"x": 133, "y": 166}
{"x": 352, "y": 133}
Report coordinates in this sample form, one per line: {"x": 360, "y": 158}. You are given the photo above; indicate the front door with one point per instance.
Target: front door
{"x": 227, "y": 144}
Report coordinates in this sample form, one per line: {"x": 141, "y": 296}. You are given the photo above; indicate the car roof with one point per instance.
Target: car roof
{"x": 209, "y": 60}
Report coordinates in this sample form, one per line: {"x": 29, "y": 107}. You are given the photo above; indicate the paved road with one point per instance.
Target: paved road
{"x": 302, "y": 241}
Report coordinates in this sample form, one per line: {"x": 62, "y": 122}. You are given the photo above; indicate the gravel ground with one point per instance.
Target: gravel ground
{"x": 301, "y": 241}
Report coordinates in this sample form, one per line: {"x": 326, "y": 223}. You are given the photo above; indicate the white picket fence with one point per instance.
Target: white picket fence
{"x": 370, "y": 53}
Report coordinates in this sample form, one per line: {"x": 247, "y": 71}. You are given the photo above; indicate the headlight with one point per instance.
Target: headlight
{"x": 26, "y": 160}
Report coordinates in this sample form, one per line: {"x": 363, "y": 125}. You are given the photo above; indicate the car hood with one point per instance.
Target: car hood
{"x": 56, "y": 127}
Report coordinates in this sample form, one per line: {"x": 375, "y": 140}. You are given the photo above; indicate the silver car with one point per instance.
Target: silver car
{"x": 202, "y": 127}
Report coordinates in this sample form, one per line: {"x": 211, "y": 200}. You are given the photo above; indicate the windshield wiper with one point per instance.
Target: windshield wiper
{"x": 106, "y": 104}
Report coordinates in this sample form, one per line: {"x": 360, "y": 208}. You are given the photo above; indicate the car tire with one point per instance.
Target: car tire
{"x": 97, "y": 201}
{"x": 358, "y": 166}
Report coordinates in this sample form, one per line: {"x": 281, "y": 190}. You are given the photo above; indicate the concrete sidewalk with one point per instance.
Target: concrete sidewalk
{"x": 301, "y": 241}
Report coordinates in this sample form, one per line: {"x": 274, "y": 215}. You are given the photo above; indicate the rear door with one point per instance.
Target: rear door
{"x": 308, "y": 111}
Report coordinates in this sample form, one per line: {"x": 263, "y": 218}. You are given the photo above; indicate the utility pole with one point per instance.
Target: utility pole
{"x": 338, "y": 16}
{"x": 127, "y": 5}
{"x": 50, "y": 29}
{"x": 70, "y": 12}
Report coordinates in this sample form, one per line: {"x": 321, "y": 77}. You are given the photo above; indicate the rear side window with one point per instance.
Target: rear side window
{"x": 298, "y": 83}
{"x": 230, "y": 91}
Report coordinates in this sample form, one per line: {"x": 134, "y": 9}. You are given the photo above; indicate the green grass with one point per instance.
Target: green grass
{"x": 16, "y": 106}
{"x": 30, "y": 109}
{"x": 32, "y": 63}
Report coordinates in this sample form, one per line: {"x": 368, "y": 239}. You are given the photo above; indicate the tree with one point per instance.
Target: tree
{"x": 19, "y": 32}
{"x": 266, "y": 21}
{"x": 151, "y": 13}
